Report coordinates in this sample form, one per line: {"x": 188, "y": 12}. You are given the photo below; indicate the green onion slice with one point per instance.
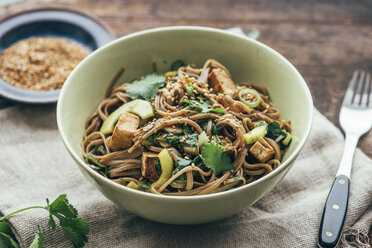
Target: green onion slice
{"x": 255, "y": 94}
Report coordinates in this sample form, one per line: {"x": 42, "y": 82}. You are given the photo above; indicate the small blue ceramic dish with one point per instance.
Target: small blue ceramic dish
{"x": 57, "y": 22}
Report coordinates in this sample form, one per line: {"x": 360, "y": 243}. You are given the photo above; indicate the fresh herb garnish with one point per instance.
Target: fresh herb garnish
{"x": 75, "y": 228}
{"x": 144, "y": 186}
{"x": 92, "y": 147}
{"x": 177, "y": 64}
{"x": 215, "y": 158}
{"x": 157, "y": 166}
{"x": 91, "y": 158}
{"x": 204, "y": 126}
{"x": 203, "y": 106}
{"x": 274, "y": 130}
{"x": 182, "y": 163}
{"x": 146, "y": 88}
{"x": 38, "y": 240}
{"x": 122, "y": 181}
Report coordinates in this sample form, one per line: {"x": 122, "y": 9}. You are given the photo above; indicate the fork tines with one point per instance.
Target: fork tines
{"x": 359, "y": 89}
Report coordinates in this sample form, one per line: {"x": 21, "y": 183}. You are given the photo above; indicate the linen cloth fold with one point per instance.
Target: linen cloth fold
{"x": 34, "y": 164}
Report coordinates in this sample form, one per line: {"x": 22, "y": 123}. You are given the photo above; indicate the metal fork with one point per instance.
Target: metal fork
{"x": 355, "y": 120}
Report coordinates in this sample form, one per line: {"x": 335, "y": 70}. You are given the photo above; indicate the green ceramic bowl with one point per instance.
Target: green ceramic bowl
{"x": 247, "y": 60}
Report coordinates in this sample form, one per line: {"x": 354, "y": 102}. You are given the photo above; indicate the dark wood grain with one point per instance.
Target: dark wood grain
{"x": 325, "y": 40}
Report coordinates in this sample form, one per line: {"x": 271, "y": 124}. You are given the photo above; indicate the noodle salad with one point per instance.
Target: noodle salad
{"x": 189, "y": 131}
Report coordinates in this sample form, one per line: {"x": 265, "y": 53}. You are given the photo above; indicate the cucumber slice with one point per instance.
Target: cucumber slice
{"x": 166, "y": 163}
{"x": 287, "y": 139}
{"x": 109, "y": 124}
{"x": 256, "y": 133}
{"x": 142, "y": 108}
{"x": 138, "y": 107}
{"x": 133, "y": 185}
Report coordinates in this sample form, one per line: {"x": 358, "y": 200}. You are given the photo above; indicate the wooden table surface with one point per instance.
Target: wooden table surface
{"x": 325, "y": 40}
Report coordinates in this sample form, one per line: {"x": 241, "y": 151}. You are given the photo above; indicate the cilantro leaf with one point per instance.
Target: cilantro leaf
{"x": 215, "y": 158}
{"x": 91, "y": 158}
{"x": 38, "y": 240}
{"x": 274, "y": 130}
{"x": 146, "y": 88}
{"x": 204, "y": 106}
{"x": 177, "y": 64}
{"x": 5, "y": 228}
{"x": 62, "y": 206}
{"x": 75, "y": 228}
{"x": 145, "y": 186}
{"x": 7, "y": 241}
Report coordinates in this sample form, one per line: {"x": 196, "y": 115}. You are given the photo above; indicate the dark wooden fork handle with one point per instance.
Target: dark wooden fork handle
{"x": 334, "y": 213}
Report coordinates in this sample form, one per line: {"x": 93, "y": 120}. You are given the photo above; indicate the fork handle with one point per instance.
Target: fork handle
{"x": 334, "y": 212}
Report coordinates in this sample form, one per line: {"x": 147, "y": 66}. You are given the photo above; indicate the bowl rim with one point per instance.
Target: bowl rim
{"x": 118, "y": 187}
{"x": 45, "y": 14}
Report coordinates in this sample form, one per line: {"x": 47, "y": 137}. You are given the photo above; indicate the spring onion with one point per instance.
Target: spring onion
{"x": 256, "y": 97}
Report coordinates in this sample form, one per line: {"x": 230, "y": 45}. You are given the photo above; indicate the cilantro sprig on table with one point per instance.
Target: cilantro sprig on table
{"x": 75, "y": 228}
{"x": 146, "y": 88}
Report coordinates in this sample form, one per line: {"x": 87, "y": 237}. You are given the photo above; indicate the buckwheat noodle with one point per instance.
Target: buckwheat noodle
{"x": 125, "y": 165}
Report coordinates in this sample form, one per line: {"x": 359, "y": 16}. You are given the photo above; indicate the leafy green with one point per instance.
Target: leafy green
{"x": 144, "y": 186}
{"x": 182, "y": 163}
{"x": 38, "y": 240}
{"x": 177, "y": 64}
{"x": 215, "y": 158}
{"x": 204, "y": 106}
{"x": 92, "y": 147}
{"x": 146, "y": 88}
{"x": 122, "y": 181}
{"x": 274, "y": 130}
{"x": 91, "y": 158}
{"x": 157, "y": 166}
{"x": 76, "y": 228}
{"x": 7, "y": 241}
{"x": 172, "y": 139}
{"x": 5, "y": 228}
{"x": 214, "y": 129}
{"x": 192, "y": 140}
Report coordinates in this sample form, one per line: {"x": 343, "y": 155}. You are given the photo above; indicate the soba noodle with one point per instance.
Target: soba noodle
{"x": 228, "y": 130}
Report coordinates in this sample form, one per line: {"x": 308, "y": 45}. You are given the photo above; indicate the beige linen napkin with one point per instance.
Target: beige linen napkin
{"x": 34, "y": 164}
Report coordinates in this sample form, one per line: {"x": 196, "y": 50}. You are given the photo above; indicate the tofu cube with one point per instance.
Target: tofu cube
{"x": 148, "y": 165}
{"x": 122, "y": 137}
{"x": 221, "y": 81}
{"x": 262, "y": 151}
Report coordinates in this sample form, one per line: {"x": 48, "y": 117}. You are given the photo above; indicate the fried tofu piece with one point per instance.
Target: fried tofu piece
{"x": 221, "y": 81}
{"x": 232, "y": 104}
{"x": 122, "y": 137}
{"x": 262, "y": 151}
{"x": 148, "y": 165}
